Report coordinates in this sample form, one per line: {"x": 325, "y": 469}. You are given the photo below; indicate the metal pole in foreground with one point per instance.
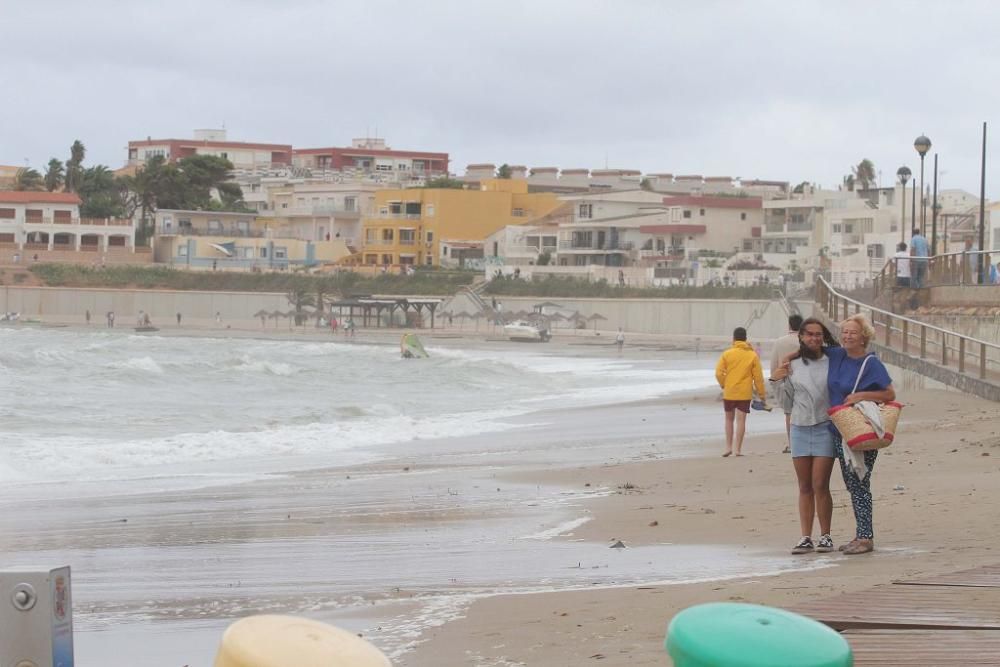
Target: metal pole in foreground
{"x": 982, "y": 211}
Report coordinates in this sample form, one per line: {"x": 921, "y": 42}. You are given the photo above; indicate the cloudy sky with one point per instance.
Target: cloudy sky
{"x": 794, "y": 90}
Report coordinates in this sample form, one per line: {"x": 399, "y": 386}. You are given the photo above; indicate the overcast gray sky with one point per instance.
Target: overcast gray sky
{"x": 794, "y": 90}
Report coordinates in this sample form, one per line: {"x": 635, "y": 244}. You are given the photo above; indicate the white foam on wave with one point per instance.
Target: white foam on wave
{"x": 337, "y": 443}
{"x": 143, "y": 364}
{"x": 566, "y": 527}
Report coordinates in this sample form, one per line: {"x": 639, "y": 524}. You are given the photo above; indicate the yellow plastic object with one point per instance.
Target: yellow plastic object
{"x": 282, "y": 641}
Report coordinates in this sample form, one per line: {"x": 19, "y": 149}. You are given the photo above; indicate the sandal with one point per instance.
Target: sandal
{"x": 860, "y": 547}
{"x": 850, "y": 544}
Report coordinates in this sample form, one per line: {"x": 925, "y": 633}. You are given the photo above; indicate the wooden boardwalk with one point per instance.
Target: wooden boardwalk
{"x": 924, "y": 648}
{"x": 947, "y": 619}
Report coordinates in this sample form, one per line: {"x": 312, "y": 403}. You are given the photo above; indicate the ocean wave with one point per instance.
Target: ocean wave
{"x": 142, "y": 364}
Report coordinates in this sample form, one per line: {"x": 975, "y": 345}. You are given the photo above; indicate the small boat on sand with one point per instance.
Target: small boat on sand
{"x": 526, "y": 332}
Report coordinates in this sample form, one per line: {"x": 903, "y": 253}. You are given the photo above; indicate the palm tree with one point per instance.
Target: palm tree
{"x": 54, "y": 175}
{"x": 849, "y": 182}
{"x": 864, "y": 174}
{"x": 74, "y": 166}
{"x": 27, "y": 178}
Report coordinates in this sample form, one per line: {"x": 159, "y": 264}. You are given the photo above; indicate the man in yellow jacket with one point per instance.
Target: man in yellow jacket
{"x": 739, "y": 373}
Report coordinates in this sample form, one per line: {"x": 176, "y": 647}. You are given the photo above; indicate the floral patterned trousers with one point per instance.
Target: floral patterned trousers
{"x": 860, "y": 489}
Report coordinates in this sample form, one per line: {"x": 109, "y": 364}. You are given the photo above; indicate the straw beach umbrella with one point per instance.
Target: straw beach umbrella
{"x": 275, "y": 314}
{"x": 594, "y": 318}
{"x": 262, "y": 315}
{"x": 461, "y": 315}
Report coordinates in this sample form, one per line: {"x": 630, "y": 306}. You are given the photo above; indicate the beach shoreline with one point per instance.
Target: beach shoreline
{"x": 946, "y": 449}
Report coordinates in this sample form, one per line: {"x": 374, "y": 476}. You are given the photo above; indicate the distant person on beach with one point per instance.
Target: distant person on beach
{"x": 87, "y": 316}
{"x": 620, "y": 339}
{"x": 111, "y": 319}
{"x": 806, "y": 400}
{"x": 218, "y": 317}
{"x": 902, "y": 258}
{"x": 178, "y": 319}
{"x": 784, "y": 346}
{"x": 739, "y": 373}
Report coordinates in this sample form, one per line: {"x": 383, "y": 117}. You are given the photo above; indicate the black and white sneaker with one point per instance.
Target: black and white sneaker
{"x": 804, "y": 546}
{"x": 824, "y": 544}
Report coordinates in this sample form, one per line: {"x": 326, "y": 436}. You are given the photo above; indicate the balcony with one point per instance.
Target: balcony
{"x": 221, "y": 231}
{"x": 596, "y": 247}
{"x": 93, "y": 222}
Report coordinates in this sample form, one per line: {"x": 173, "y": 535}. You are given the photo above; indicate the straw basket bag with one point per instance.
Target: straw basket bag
{"x": 856, "y": 430}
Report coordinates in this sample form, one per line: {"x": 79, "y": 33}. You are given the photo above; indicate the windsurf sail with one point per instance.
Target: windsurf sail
{"x": 410, "y": 347}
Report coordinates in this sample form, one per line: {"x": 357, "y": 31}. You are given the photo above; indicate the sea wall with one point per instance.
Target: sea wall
{"x": 678, "y": 317}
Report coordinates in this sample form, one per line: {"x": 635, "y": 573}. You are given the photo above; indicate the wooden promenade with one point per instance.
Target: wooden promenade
{"x": 941, "y": 620}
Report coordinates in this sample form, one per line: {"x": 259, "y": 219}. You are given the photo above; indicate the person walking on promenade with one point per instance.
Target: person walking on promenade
{"x": 178, "y": 318}
{"x": 784, "y": 346}
{"x": 87, "y": 316}
{"x": 919, "y": 249}
{"x": 738, "y": 372}
{"x": 806, "y": 398}
{"x": 620, "y": 339}
{"x": 856, "y": 333}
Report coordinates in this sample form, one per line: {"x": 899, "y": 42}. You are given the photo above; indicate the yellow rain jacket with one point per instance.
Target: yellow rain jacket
{"x": 739, "y": 373}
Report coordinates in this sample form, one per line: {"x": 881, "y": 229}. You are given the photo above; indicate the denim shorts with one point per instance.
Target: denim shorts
{"x": 813, "y": 441}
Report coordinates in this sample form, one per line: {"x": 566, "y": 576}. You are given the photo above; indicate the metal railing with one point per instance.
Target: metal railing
{"x": 946, "y": 270}
{"x": 913, "y": 337}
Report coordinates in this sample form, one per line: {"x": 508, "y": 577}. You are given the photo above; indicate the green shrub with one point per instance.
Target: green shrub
{"x": 568, "y": 287}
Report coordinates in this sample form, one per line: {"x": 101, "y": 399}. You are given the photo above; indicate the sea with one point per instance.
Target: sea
{"x": 190, "y": 480}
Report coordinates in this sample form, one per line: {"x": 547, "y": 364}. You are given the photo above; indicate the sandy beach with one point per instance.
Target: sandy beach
{"x": 491, "y": 548}
{"x": 933, "y": 490}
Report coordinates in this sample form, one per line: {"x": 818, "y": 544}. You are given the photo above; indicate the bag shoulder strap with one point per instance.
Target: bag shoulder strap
{"x": 860, "y": 373}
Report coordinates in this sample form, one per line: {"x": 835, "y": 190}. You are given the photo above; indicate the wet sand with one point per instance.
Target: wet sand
{"x": 945, "y": 461}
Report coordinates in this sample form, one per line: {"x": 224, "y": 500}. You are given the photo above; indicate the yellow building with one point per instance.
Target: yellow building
{"x": 407, "y": 226}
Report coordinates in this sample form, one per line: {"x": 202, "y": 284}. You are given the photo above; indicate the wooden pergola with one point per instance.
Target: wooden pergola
{"x": 370, "y": 306}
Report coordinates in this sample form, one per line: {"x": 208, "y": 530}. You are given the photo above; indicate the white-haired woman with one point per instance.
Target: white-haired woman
{"x": 856, "y": 333}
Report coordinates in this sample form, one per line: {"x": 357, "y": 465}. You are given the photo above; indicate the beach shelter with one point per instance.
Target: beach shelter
{"x": 540, "y": 307}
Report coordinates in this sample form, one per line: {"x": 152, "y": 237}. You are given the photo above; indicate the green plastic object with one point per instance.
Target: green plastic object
{"x": 727, "y": 634}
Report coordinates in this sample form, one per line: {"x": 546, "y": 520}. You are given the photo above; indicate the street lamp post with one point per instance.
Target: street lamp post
{"x": 934, "y": 211}
{"x": 903, "y": 173}
{"x": 922, "y": 144}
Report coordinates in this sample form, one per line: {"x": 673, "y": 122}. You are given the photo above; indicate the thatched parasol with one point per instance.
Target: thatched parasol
{"x": 594, "y": 318}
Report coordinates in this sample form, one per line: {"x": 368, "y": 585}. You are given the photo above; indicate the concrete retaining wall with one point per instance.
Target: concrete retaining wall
{"x": 683, "y": 317}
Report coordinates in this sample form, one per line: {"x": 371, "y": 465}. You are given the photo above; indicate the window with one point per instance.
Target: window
{"x": 838, "y": 228}
{"x": 224, "y": 156}
{"x": 182, "y": 250}
{"x": 350, "y": 203}
{"x": 586, "y": 211}
{"x": 687, "y": 214}
{"x": 247, "y": 253}
{"x": 395, "y": 208}
{"x": 371, "y": 259}
{"x": 280, "y": 252}
{"x": 387, "y": 234}
{"x": 430, "y": 261}
{"x": 370, "y": 235}
{"x": 743, "y": 216}
{"x": 413, "y": 208}
{"x": 263, "y": 253}
{"x": 214, "y": 226}
{"x": 701, "y": 212}
{"x": 532, "y": 242}
{"x": 387, "y": 259}
{"x": 517, "y": 212}
{"x": 384, "y": 212}
{"x": 430, "y": 210}
{"x": 444, "y": 251}
{"x": 243, "y": 226}
{"x": 430, "y": 236}
{"x": 548, "y": 242}
{"x": 407, "y": 236}
{"x": 383, "y": 167}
